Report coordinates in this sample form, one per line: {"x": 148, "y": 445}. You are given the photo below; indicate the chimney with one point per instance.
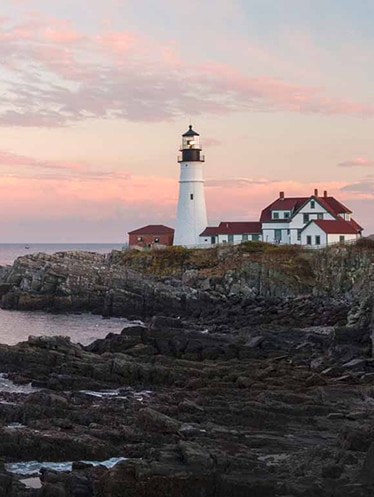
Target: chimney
{"x": 316, "y": 192}
{"x": 281, "y": 195}
{"x": 325, "y": 193}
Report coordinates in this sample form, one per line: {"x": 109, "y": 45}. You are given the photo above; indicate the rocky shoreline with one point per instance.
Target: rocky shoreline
{"x": 233, "y": 391}
{"x": 262, "y": 411}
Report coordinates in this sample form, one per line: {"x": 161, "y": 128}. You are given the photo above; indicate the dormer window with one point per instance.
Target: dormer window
{"x": 275, "y": 215}
{"x": 312, "y": 204}
{"x": 286, "y": 215}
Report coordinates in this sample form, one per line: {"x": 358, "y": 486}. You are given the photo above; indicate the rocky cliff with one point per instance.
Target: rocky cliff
{"x": 253, "y": 281}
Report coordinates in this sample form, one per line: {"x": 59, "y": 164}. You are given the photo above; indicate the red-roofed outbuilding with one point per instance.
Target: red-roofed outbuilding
{"x": 150, "y": 235}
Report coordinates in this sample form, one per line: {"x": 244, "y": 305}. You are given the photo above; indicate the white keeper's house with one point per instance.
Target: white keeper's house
{"x": 315, "y": 220}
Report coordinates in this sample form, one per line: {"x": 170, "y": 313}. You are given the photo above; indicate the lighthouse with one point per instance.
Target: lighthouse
{"x": 191, "y": 213}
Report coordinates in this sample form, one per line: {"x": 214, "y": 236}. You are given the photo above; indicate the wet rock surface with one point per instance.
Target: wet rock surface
{"x": 259, "y": 410}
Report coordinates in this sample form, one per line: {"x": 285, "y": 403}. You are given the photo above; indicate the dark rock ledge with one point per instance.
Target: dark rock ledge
{"x": 263, "y": 411}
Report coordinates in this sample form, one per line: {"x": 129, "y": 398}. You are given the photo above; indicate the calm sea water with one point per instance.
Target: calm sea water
{"x": 83, "y": 328}
{"x": 16, "y": 326}
{"x": 10, "y": 251}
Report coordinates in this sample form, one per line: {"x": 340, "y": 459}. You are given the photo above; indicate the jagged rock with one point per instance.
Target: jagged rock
{"x": 367, "y": 473}
{"x": 156, "y": 421}
{"x": 196, "y": 456}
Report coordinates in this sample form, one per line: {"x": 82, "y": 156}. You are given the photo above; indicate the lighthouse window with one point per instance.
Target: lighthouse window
{"x": 191, "y": 196}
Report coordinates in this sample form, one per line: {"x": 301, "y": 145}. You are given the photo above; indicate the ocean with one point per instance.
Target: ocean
{"x": 16, "y": 326}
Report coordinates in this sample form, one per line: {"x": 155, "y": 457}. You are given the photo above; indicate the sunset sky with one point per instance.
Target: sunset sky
{"x": 96, "y": 94}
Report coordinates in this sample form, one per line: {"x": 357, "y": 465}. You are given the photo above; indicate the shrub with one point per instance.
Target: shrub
{"x": 365, "y": 243}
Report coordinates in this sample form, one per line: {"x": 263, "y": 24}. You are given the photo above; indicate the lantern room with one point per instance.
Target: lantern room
{"x": 191, "y": 147}
{"x": 190, "y": 139}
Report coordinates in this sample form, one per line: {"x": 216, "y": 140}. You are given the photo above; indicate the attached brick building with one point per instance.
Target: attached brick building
{"x": 151, "y": 235}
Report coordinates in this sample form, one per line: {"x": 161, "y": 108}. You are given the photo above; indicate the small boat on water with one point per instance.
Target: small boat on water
{"x": 27, "y": 247}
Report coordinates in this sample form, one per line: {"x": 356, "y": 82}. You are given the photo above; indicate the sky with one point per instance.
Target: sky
{"x": 95, "y": 96}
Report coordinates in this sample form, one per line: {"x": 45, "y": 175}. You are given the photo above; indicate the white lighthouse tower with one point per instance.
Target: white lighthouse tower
{"x": 191, "y": 214}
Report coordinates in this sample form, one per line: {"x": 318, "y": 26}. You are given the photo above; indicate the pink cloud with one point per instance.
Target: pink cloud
{"x": 361, "y": 189}
{"x": 121, "y": 41}
{"x": 128, "y": 75}
{"x": 61, "y": 36}
{"x": 11, "y": 159}
{"x": 124, "y": 201}
{"x": 357, "y": 162}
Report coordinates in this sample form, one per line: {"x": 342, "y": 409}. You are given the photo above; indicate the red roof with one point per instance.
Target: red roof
{"x": 282, "y": 204}
{"x": 336, "y": 207}
{"x": 233, "y": 228}
{"x": 293, "y": 204}
{"x": 152, "y": 229}
{"x": 210, "y": 231}
{"x": 337, "y": 227}
{"x": 355, "y": 225}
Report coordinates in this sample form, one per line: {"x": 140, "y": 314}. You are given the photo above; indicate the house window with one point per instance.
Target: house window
{"x": 341, "y": 238}
{"x": 191, "y": 196}
{"x": 299, "y": 235}
{"x": 275, "y": 215}
{"x": 255, "y": 237}
{"x": 213, "y": 240}
{"x": 320, "y": 215}
{"x": 312, "y": 204}
{"x": 288, "y": 232}
{"x": 286, "y": 215}
{"x": 318, "y": 240}
{"x": 140, "y": 238}
{"x": 244, "y": 238}
{"x": 309, "y": 240}
{"x": 306, "y": 218}
{"x": 277, "y": 235}
{"x": 230, "y": 238}
{"x": 156, "y": 239}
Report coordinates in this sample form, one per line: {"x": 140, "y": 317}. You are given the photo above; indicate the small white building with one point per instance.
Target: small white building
{"x": 321, "y": 233}
{"x": 231, "y": 232}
